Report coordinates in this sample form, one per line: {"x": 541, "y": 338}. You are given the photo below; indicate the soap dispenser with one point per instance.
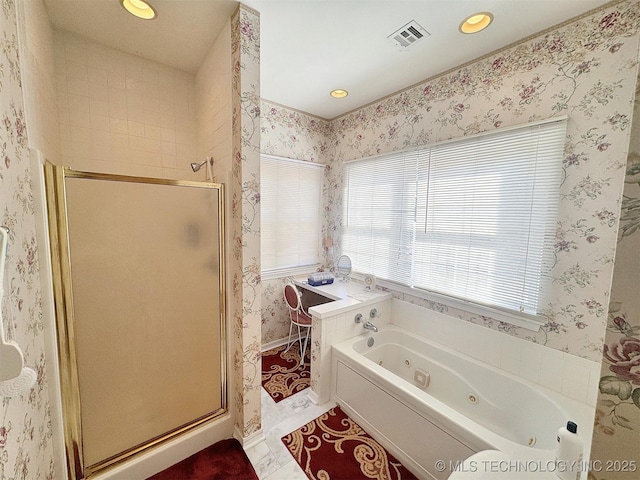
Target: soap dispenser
{"x": 569, "y": 452}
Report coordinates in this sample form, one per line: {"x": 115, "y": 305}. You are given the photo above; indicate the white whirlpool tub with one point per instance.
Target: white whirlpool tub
{"x": 433, "y": 407}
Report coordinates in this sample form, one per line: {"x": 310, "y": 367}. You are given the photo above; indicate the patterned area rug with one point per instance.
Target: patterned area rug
{"x": 282, "y": 373}
{"x": 334, "y": 447}
{"x": 224, "y": 460}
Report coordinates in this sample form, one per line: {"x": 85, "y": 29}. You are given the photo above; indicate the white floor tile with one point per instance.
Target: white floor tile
{"x": 267, "y": 465}
{"x": 270, "y": 458}
{"x": 291, "y": 471}
{"x": 257, "y": 452}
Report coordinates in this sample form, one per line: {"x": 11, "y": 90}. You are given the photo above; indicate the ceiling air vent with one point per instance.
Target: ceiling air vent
{"x": 408, "y": 35}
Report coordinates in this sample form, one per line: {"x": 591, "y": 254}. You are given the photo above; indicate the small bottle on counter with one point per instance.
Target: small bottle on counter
{"x": 569, "y": 452}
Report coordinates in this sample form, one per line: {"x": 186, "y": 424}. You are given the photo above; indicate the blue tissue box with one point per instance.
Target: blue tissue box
{"x": 320, "y": 278}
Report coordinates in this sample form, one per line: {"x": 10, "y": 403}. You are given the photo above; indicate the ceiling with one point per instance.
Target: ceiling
{"x": 309, "y": 47}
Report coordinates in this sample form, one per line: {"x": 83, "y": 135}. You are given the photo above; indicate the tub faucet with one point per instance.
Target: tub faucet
{"x": 367, "y": 325}
{"x": 370, "y": 326}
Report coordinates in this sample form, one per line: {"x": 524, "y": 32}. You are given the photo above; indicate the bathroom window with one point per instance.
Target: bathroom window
{"x": 472, "y": 219}
{"x": 290, "y": 193}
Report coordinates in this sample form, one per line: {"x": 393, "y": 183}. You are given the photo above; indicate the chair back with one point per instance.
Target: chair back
{"x": 292, "y": 297}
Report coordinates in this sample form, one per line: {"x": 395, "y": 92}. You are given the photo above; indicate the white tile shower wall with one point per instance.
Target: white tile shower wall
{"x": 122, "y": 114}
{"x": 335, "y": 329}
{"x": 38, "y": 78}
{"x": 573, "y": 376}
{"x": 213, "y": 106}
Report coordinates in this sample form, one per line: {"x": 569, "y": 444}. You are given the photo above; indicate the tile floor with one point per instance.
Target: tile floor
{"x": 270, "y": 458}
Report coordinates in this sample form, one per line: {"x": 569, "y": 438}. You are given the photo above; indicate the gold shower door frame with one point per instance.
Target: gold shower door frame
{"x": 78, "y": 342}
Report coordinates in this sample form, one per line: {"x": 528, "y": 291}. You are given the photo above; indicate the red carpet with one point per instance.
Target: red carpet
{"x": 282, "y": 374}
{"x": 224, "y": 460}
{"x": 334, "y": 447}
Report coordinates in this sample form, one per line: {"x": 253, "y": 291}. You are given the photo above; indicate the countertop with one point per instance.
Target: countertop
{"x": 345, "y": 295}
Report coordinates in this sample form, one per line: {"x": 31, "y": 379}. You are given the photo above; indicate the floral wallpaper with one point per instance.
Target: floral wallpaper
{"x": 585, "y": 69}
{"x": 291, "y": 134}
{"x": 616, "y": 434}
{"x": 26, "y": 450}
{"x": 245, "y": 298}
{"x": 275, "y": 315}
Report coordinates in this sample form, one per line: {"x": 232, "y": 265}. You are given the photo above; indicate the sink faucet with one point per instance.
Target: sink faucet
{"x": 370, "y": 326}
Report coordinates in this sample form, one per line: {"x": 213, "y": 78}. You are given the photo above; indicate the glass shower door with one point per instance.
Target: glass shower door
{"x": 140, "y": 307}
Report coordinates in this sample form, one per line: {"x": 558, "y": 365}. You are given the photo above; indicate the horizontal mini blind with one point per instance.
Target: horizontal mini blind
{"x": 486, "y": 216}
{"x": 290, "y": 193}
{"x": 473, "y": 218}
{"x": 379, "y": 214}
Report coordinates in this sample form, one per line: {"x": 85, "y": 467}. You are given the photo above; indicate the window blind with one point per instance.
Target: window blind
{"x": 290, "y": 193}
{"x": 379, "y": 214}
{"x": 472, "y": 219}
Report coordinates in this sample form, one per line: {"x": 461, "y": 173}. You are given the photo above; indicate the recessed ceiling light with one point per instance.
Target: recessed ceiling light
{"x": 139, "y": 8}
{"x": 339, "y": 93}
{"x": 476, "y": 22}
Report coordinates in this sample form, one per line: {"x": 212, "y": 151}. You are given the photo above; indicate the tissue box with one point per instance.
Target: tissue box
{"x": 320, "y": 278}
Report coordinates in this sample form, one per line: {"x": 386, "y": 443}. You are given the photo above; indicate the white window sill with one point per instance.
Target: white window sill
{"x": 288, "y": 272}
{"x": 530, "y": 322}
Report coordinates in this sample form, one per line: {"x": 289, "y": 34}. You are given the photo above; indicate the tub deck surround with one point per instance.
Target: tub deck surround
{"x": 468, "y": 406}
{"x": 572, "y": 376}
{"x": 333, "y": 322}
{"x": 467, "y": 387}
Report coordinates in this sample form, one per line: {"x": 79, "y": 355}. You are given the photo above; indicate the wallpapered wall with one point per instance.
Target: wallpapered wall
{"x": 616, "y": 434}
{"x": 244, "y": 190}
{"x": 25, "y": 432}
{"x": 290, "y": 134}
{"x": 586, "y": 70}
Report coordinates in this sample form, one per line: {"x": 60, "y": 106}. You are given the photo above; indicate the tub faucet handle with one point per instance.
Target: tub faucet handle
{"x": 373, "y": 313}
{"x": 358, "y": 318}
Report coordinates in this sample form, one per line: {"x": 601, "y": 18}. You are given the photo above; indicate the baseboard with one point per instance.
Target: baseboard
{"x": 313, "y": 396}
{"x": 277, "y": 343}
{"x": 251, "y": 440}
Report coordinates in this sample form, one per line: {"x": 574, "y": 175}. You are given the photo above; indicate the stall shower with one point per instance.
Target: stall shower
{"x": 139, "y": 285}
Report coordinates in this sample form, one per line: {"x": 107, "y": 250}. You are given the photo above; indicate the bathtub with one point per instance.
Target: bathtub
{"x": 427, "y": 403}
